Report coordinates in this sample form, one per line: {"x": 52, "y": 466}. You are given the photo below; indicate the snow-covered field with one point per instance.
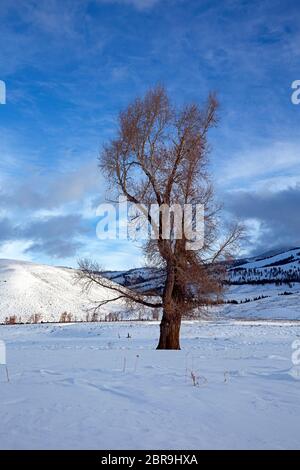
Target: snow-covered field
{"x": 103, "y": 386}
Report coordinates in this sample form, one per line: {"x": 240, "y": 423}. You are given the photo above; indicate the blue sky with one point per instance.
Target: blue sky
{"x": 70, "y": 65}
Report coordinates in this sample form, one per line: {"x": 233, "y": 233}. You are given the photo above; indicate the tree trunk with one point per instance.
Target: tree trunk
{"x": 171, "y": 319}
{"x": 169, "y": 332}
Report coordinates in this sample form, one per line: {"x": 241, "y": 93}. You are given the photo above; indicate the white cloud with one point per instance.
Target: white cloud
{"x": 264, "y": 164}
{"x": 139, "y": 4}
{"x": 15, "y": 250}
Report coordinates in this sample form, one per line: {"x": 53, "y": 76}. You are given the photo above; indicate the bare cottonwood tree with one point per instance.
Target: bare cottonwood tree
{"x": 160, "y": 156}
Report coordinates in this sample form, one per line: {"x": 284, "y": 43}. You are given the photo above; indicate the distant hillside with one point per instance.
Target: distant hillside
{"x": 282, "y": 267}
{"x": 261, "y": 287}
{"x": 31, "y": 292}
{"x": 266, "y": 286}
{"x": 272, "y": 267}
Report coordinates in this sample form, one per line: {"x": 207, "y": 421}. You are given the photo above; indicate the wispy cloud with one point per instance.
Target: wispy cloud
{"x": 138, "y": 4}
{"x": 262, "y": 165}
{"x": 51, "y": 190}
{"x": 275, "y": 214}
{"x": 55, "y": 236}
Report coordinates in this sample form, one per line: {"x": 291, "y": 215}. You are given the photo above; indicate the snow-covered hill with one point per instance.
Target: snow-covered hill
{"x": 34, "y": 293}
{"x": 261, "y": 301}
{"x": 261, "y": 287}
{"x": 265, "y": 287}
{"x": 145, "y": 279}
{"x": 278, "y": 267}
{"x": 270, "y": 268}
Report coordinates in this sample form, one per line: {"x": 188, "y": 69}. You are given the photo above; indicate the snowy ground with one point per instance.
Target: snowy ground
{"x": 274, "y": 306}
{"x": 88, "y": 386}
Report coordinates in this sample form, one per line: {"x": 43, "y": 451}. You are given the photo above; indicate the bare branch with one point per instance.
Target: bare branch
{"x": 89, "y": 274}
